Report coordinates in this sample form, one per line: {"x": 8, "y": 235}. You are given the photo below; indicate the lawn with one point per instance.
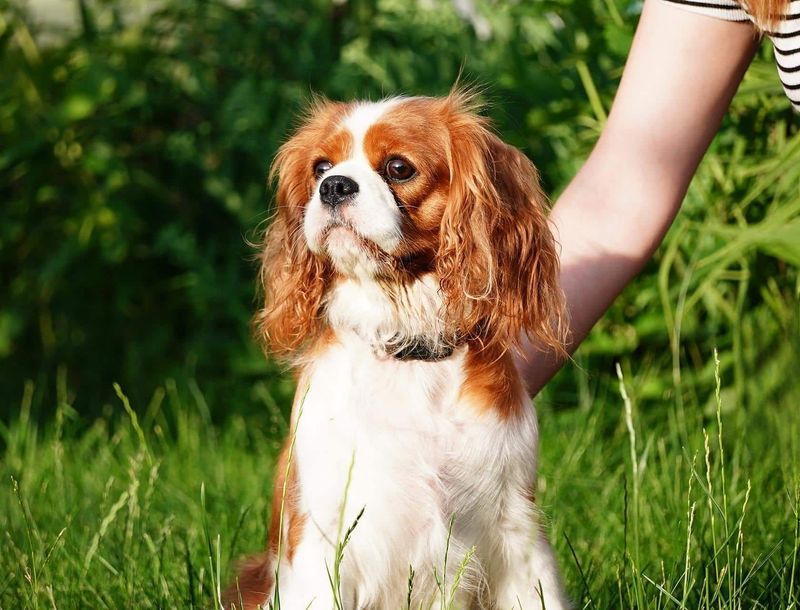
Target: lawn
{"x": 693, "y": 505}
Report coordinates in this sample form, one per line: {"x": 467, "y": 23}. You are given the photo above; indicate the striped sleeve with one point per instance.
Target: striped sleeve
{"x": 721, "y": 9}
{"x": 785, "y": 37}
{"x": 786, "y": 43}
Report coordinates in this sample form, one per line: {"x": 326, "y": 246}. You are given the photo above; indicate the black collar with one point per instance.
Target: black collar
{"x": 419, "y": 348}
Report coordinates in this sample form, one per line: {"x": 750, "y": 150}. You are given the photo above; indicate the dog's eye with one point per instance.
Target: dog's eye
{"x": 399, "y": 170}
{"x": 320, "y": 167}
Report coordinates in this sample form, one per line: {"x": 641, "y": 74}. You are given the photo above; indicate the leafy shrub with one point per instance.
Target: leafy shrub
{"x": 132, "y": 176}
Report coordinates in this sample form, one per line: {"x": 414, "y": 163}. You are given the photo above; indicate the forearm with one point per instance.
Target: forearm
{"x": 681, "y": 74}
{"x": 606, "y": 237}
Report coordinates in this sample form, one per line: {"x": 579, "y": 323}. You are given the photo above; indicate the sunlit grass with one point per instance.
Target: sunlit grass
{"x": 114, "y": 513}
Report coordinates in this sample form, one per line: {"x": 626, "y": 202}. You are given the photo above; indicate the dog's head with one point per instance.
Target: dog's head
{"x": 394, "y": 191}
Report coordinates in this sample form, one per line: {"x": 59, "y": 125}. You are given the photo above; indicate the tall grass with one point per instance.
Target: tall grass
{"x": 646, "y": 509}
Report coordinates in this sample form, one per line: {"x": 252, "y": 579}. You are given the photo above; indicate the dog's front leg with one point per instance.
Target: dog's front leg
{"x": 533, "y": 582}
{"x": 304, "y": 582}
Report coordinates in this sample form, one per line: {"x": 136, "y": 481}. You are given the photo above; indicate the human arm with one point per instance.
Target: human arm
{"x": 681, "y": 74}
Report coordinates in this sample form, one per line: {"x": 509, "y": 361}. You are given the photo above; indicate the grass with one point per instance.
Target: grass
{"x": 670, "y": 506}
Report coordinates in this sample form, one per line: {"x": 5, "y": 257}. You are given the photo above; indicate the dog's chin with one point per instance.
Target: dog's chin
{"x": 351, "y": 254}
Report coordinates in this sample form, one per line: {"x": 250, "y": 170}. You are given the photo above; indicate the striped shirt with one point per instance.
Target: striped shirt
{"x": 785, "y": 37}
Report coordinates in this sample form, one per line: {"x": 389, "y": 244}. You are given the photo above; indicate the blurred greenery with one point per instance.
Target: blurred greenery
{"x": 135, "y": 146}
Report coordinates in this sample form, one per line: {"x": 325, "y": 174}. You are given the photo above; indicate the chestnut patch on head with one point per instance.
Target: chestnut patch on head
{"x": 333, "y": 147}
{"x": 407, "y": 147}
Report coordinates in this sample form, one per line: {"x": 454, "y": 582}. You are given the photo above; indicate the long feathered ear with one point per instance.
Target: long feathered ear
{"x": 292, "y": 279}
{"x": 497, "y": 259}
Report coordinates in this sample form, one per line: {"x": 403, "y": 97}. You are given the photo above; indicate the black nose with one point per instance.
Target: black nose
{"x": 335, "y": 190}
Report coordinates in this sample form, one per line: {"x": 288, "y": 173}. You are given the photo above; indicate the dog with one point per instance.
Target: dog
{"x": 409, "y": 256}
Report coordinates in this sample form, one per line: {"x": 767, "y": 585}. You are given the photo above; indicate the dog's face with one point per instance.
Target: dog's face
{"x": 372, "y": 182}
{"x": 392, "y": 191}
{"x": 381, "y": 186}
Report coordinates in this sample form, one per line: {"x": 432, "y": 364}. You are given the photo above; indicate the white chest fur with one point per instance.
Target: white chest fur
{"x": 395, "y": 439}
{"x": 438, "y": 477}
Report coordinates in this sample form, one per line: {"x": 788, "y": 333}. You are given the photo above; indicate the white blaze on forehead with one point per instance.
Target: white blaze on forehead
{"x": 373, "y": 212}
{"x": 364, "y": 116}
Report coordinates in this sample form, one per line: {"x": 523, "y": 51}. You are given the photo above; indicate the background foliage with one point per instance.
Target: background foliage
{"x": 133, "y": 155}
{"x": 135, "y": 149}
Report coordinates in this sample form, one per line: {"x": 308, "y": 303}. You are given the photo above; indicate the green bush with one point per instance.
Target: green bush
{"x": 134, "y": 155}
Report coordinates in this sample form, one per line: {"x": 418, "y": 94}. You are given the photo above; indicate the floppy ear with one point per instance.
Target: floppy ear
{"x": 293, "y": 280}
{"x": 497, "y": 259}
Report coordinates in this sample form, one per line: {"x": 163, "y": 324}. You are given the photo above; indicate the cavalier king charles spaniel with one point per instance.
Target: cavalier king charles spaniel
{"x": 409, "y": 257}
